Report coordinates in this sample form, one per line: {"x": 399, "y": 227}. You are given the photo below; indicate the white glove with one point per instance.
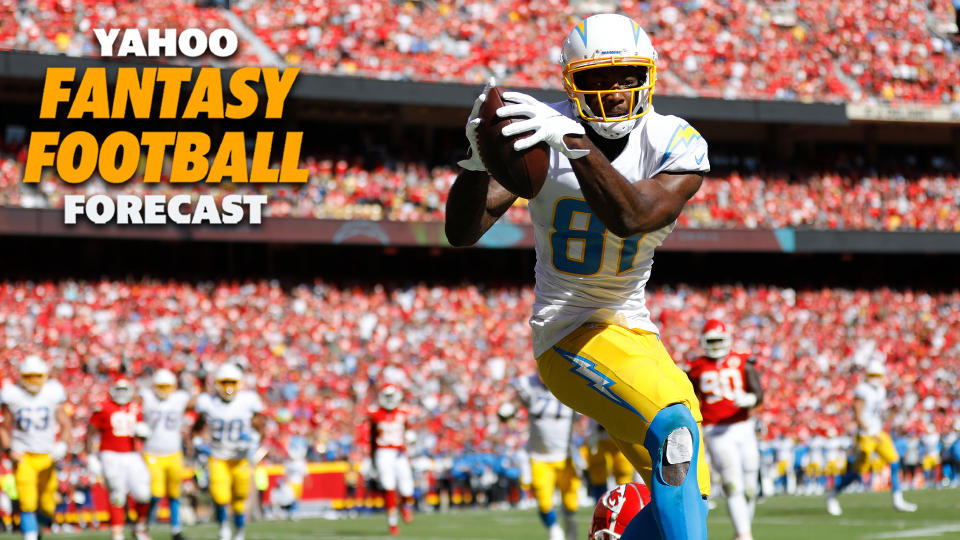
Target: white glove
{"x": 142, "y": 430}
{"x": 474, "y": 163}
{"x": 59, "y": 451}
{"x": 745, "y": 400}
{"x": 94, "y": 467}
{"x": 548, "y": 125}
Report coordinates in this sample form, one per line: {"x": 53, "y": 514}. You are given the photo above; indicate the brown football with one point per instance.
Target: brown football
{"x": 522, "y": 173}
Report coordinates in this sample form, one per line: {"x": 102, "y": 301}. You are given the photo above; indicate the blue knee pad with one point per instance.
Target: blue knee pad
{"x": 674, "y": 512}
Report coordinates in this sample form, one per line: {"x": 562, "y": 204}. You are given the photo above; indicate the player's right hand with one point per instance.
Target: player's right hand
{"x": 94, "y": 466}
{"x": 473, "y": 161}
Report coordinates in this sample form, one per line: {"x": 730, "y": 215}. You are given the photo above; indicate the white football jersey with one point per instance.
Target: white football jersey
{"x": 34, "y": 416}
{"x": 874, "y": 405}
{"x": 550, "y": 421}
{"x": 584, "y": 272}
{"x": 231, "y": 433}
{"x": 165, "y": 418}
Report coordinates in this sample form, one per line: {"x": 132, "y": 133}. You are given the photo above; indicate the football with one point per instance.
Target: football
{"x": 522, "y": 173}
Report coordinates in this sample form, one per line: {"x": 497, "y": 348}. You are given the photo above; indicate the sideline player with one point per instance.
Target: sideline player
{"x": 119, "y": 421}
{"x": 869, "y": 405}
{"x": 552, "y": 457}
{"x": 619, "y": 176}
{"x": 728, "y": 387}
{"x": 164, "y": 407}
{"x": 604, "y": 459}
{"x": 232, "y": 416}
{"x": 33, "y": 409}
{"x": 388, "y": 427}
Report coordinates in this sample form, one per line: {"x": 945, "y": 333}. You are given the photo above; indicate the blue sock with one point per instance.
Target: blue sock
{"x": 221, "y": 512}
{"x": 674, "y": 511}
{"x": 548, "y": 518}
{"x": 44, "y": 520}
{"x": 895, "y": 476}
{"x": 28, "y": 522}
{"x": 239, "y": 520}
{"x": 175, "y": 514}
{"x": 154, "y": 506}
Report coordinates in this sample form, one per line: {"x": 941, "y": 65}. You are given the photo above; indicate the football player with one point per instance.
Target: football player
{"x": 603, "y": 460}
{"x": 615, "y": 509}
{"x": 119, "y": 422}
{"x": 619, "y": 176}
{"x": 552, "y": 457}
{"x": 869, "y": 405}
{"x": 164, "y": 407}
{"x": 33, "y": 410}
{"x": 728, "y": 387}
{"x": 388, "y": 427}
{"x": 235, "y": 424}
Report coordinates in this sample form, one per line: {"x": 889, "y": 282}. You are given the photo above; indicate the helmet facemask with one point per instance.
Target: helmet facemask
{"x": 121, "y": 392}
{"x": 389, "y": 398}
{"x": 638, "y": 95}
{"x": 227, "y": 388}
{"x": 33, "y": 382}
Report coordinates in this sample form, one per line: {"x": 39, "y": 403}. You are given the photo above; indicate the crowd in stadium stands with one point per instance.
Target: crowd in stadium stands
{"x": 317, "y": 352}
{"x": 823, "y": 50}
{"x": 408, "y": 191}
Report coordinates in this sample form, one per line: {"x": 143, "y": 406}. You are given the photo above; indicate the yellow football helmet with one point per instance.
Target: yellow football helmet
{"x": 226, "y": 381}
{"x": 33, "y": 374}
{"x": 605, "y": 41}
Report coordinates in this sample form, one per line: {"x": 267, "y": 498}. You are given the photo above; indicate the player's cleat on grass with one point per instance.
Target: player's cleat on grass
{"x": 556, "y": 532}
{"x": 901, "y": 505}
{"x": 178, "y": 536}
{"x": 407, "y": 514}
{"x": 224, "y": 533}
{"x": 833, "y": 505}
{"x": 394, "y": 530}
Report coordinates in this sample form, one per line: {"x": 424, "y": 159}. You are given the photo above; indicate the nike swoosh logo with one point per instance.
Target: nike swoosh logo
{"x": 699, "y": 159}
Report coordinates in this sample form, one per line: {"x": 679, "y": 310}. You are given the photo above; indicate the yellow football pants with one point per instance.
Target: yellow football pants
{"x": 230, "y": 482}
{"x": 879, "y": 443}
{"x": 36, "y": 483}
{"x": 166, "y": 474}
{"x": 607, "y": 460}
{"x": 636, "y": 379}
{"x": 552, "y": 475}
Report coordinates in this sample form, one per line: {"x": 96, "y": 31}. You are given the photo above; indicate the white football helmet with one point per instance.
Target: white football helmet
{"x": 715, "y": 339}
{"x": 121, "y": 391}
{"x": 164, "y": 383}
{"x": 33, "y": 374}
{"x": 389, "y": 397}
{"x": 603, "y": 41}
{"x": 227, "y": 381}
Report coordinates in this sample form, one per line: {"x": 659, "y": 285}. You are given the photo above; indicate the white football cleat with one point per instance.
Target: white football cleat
{"x": 833, "y": 505}
{"x": 901, "y": 505}
{"x": 556, "y": 532}
{"x": 224, "y": 532}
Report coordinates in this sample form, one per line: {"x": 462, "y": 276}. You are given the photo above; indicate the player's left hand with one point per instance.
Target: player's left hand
{"x": 548, "y": 124}
{"x": 745, "y": 400}
{"x": 59, "y": 451}
{"x": 142, "y": 430}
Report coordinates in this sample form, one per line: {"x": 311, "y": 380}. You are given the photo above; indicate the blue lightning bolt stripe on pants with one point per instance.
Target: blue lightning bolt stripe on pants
{"x": 622, "y": 378}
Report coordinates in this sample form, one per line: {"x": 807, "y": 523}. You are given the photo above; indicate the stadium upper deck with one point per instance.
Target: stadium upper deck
{"x": 892, "y": 51}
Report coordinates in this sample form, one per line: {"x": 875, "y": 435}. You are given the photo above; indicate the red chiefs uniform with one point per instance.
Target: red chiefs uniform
{"x": 717, "y": 382}
{"x": 117, "y": 425}
{"x": 389, "y": 427}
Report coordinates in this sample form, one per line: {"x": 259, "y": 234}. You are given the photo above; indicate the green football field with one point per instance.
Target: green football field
{"x": 866, "y": 517}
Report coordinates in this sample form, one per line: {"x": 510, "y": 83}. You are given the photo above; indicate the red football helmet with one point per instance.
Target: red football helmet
{"x": 390, "y": 396}
{"x": 616, "y": 508}
{"x": 715, "y": 339}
